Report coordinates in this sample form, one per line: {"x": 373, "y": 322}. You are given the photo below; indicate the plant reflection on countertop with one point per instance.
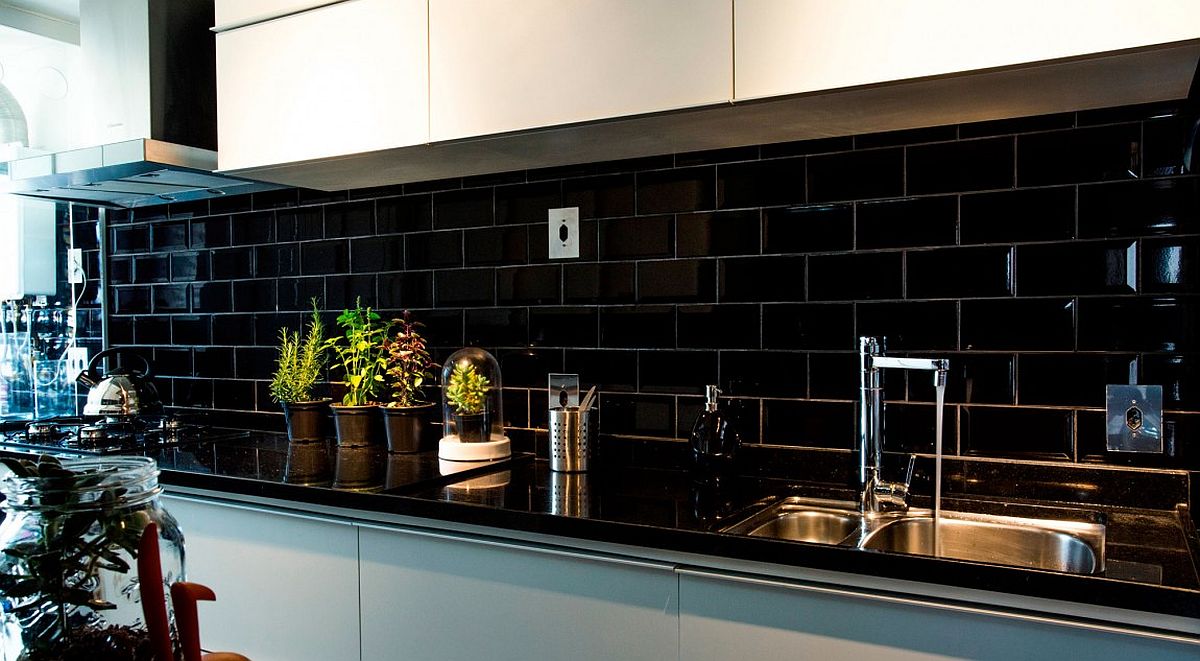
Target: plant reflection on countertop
{"x": 301, "y": 362}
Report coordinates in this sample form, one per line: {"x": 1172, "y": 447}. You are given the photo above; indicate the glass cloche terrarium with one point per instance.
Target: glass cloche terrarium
{"x": 472, "y": 411}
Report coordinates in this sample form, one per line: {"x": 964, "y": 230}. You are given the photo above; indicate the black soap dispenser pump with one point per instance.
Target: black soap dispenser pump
{"x": 714, "y": 438}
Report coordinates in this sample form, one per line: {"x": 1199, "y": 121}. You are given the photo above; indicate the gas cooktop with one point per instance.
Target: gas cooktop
{"x": 101, "y": 436}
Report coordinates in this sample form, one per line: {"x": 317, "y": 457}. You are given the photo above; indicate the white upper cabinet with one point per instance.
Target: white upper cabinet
{"x": 233, "y": 13}
{"x": 341, "y": 79}
{"x": 499, "y": 66}
{"x": 798, "y": 46}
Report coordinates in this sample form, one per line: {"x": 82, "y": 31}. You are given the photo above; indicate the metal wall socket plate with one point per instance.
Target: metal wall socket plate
{"x": 1134, "y": 418}
{"x": 564, "y": 233}
{"x": 563, "y": 390}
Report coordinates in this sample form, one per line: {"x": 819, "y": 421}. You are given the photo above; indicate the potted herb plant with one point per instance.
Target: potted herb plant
{"x": 301, "y": 361}
{"x": 360, "y": 354}
{"x": 409, "y": 368}
{"x": 467, "y": 393}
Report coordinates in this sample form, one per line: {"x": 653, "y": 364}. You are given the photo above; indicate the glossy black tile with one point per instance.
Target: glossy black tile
{"x": 802, "y": 147}
{"x": 1164, "y": 140}
{"x": 1140, "y": 208}
{"x": 193, "y": 393}
{"x": 639, "y": 415}
{"x": 152, "y": 330}
{"x": 1171, "y": 265}
{"x": 169, "y": 236}
{"x": 742, "y": 414}
{"x": 232, "y": 204}
{"x": 1179, "y": 377}
{"x": 275, "y": 198}
{"x": 913, "y": 428}
{"x": 1041, "y": 325}
{"x": 811, "y": 228}
{"x": 443, "y": 328}
{"x": 349, "y": 219}
{"x": 405, "y": 290}
{"x": 911, "y": 326}
{"x": 237, "y": 395}
{"x": 296, "y": 293}
{"x": 612, "y": 370}
{"x": 130, "y": 239}
{"x": 496, "y": 245}
{"x": 1127, "y": 113}
{"x": 497, "y": 327}
{"x": 809, "y": 424}
{"x": 563, "y": 327}
{"x": 850, "y": 277}
{"x": 760, "y": 183}
{"x": 212, "y": 297}
{"x": 149, "y": 213}
{"x": 529, "y": 285}
{"x": 1036, "y": 214}
{"x": 673, "y": 191}
{"x": 721, "y": 233}
{"x": 527, "y": 368}
{"x": 252, "y": 228}
{"x": 906, "y": 137}
{"x": 683, "y": 281}
{"x": 527, "y": 203}
{"x": 711, "y": 156}
{"x": 625, "y": 238}
{"x": 466, "y": 288}
{"x": 1139, "y": 324}
{"x": 433, "y": 250}
{"x": 922, "y": 221}
{"x": 253, "y": 296}
{"x": 86, "y": 235}
{"x": 960, "y": 166}
{"x": 463, "y": 208}
{"x": 605, "y": 196}
{"x": 278, "y": 260}
{"x": 1071, "y": 379}
{"x": 539, "y": 243}
{"x": 972, "y": 379}
{"x": 151, "y": 268}
{"x": 409, "y": 213}
{"x": 1024, "y": 433}
{"x": 1089, "y": 154}
{"x": 764, "y": 373}
{"x": 187, "y": 209}
{"x": 189, "y": 266}
{"x": 1177, "y": 453}
{"x": 254, "y": 362}
{"x": 1064, "y": 120}
{"x": 120, "y": 331}
{"x": 638, "y": 327}
{"x": 959, "y": 273}
{"x": 213, "y": 362}
{"x": 494, "y": 179}
{"x": 766, "y": 279}
{"x": 379, "y": 253}
{"x": 856, "y": 175}
{"x": 209, "y": 232}
{"x": 676, "y": 371}
{"x": 599, "y": 283}
{"x": 172, "y": 361}
{"x": 808, "y": 326}
{"x": 343, "y": 291}
{"x": 191, "y": 329}
{"x": 718, "y": 326}
{"x": 1077, "y": 268}
{"x": 324, "y": 257}
{"x": 170, "y": 298}
{"x": 232, "y": 263}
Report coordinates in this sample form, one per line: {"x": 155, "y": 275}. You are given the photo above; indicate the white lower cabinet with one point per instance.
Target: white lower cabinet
{"x": 440, "y": 597}
{"x": 725, "y": 618}
{"x": 287, "y": 586}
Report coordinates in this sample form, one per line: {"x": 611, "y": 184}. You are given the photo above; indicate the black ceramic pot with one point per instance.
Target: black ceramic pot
{"x": 305, "y": 419}
{"x": 406, "y": 427}
{"x": 355, "y": 424}
{"x": 472, "y": 428}
{"x": 308, "y": 464}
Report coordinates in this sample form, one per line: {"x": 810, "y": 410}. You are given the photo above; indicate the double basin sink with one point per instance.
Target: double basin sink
{"x": 1064, "y": 546}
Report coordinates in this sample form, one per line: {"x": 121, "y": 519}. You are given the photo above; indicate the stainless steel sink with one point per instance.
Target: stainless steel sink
{"x": 1036, "y": 543}
{"x": 802, "y": 520}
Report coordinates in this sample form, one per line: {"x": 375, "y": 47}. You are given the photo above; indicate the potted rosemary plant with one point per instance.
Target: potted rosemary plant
{"x": 360, "y": 354}
{"x": 467, "y": 393}
{"x": 301, "y": 361}
{"x": 409, "y": 368}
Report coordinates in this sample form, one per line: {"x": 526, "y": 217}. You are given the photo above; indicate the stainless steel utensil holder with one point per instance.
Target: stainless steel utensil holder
{"x": 572, "y": 439}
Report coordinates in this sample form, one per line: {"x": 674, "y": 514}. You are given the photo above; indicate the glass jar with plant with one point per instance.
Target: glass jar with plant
{"x": 301, "y": 362}
{"x": 409, "y": 369}
{"x": 360, "y": 355}
{"x": 68, "y": 546}
{"x": 467, "y": 392}
{"x": 472, "y": 408}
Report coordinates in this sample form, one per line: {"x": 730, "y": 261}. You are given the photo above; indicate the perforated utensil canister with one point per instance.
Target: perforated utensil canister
{"x": 572, "y": 438}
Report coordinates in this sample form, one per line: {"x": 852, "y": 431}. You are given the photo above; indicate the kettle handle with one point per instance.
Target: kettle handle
{"x": 95, "y": 362}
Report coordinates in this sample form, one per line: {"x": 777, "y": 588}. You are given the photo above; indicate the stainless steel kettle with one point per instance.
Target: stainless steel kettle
{"x": 124, "y": 391}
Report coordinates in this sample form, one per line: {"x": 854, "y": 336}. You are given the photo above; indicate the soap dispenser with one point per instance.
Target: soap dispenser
{"x": 714, "y": 438}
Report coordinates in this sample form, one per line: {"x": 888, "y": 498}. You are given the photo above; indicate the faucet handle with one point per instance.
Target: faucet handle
{"x": 908, "y": 471}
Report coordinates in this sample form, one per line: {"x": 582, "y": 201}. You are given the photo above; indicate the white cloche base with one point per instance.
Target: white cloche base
{"x": 452, "y": 449}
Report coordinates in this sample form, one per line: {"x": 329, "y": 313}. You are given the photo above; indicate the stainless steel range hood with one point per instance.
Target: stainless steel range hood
{"x": 150, "y": 119}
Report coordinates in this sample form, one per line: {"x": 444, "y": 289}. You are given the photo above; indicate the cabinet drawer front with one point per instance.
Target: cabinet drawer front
{"x": 342, "y": 79}
{"x": 498, "y": 66}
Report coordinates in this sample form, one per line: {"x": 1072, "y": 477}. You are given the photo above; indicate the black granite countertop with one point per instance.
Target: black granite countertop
{"x": 1151, "y": 549}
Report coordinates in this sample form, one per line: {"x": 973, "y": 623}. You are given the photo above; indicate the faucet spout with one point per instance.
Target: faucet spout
{"x": 877, "y": 495}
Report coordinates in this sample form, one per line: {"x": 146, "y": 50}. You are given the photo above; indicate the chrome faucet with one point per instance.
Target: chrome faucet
{"x": 877, "y": 495}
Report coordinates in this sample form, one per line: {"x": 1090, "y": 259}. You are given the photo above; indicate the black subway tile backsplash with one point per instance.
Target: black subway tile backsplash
{"x": 1043, "y": 260}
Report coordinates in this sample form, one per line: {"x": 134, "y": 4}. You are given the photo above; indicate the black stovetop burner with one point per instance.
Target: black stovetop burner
{"x": 100, "y": 436}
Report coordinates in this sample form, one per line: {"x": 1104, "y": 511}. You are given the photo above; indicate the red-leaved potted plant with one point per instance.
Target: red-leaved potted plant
{"x": 409, "y": 370}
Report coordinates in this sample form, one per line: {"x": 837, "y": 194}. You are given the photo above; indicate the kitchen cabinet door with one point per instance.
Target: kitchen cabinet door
{"x": 232, "y": 13}
{"x": 507, "y": 65}
{"x": 737, "y": 618}
{"x": 434, "y": 596}
{"x": 798, "y": 46}
{"x": 341, "y": 79}
{"x": 287, "y": 587}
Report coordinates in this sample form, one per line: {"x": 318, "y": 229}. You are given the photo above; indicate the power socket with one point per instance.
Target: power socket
{"x": 77, "y": 360}
{"x": 564, "y": 233}
{"x": 75, "y": 273}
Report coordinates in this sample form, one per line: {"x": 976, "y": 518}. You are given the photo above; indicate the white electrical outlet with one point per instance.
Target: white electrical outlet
{"x": 75, "y": 273}
{"x": 564, "y": 233}
{"x": 77, "y": 360}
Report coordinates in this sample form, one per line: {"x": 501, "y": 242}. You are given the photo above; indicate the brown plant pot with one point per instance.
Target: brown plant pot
{"x": 406, "y": 427}
{"x": 305, "y": 419}
{"x": 355, "y": 425}
{"x": 473, "y": 428}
